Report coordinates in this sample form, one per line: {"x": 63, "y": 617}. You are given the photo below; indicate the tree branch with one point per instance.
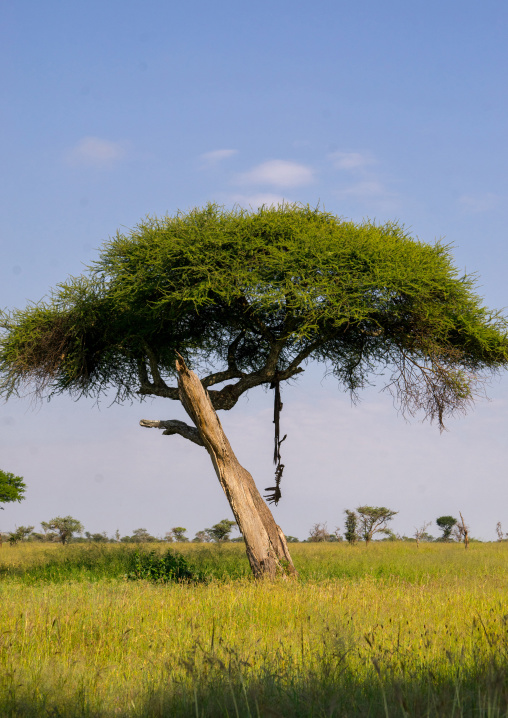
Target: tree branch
{"x": 157, "y": 379}
{"x": 232, "y": 372}
{"x": 294, "y": 367}
{"x": 158, "y": 386}
{"x": 168, "y": 392}
{"x": 174, "y": 426}
{"x": 227, "y": 397}
{"x": 142, "y": 373}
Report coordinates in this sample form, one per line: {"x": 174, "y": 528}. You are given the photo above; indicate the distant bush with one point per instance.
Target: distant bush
{"x": 161, "y": 568}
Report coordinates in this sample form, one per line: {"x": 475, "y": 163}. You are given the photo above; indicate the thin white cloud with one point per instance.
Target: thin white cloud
{"x": 258, "y": 200}
{"x": 96, "y": 152}
{"x": 213, "y": 158}
{"x": 364, "y": 190}
{"x": 351, "y": 160}
{"x": 479, "y": 203}
{"x": 372, "y": 192}
{"x": 365, "y": 187}
{"x": 279, "y": 173}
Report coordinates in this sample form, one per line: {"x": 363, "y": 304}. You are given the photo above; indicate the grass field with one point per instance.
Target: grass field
{"x": 384, "y": 630}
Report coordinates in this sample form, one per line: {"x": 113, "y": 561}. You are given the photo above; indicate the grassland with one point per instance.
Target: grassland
{"x": 388, "y": 630}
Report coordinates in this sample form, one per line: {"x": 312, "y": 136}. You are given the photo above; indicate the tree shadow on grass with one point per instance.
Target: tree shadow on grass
{"x": 231, "y": 690}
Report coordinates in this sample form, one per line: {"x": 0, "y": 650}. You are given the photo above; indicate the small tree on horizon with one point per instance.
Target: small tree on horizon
{"x": 246, "y": 299}
{"x": 65, "y": 527}
{"x": 202, "y": 536}
{"x": 351, "y": 526}
{"x": 373, "y": 520}
{"x": 421, "y": 534}
{"x": 446, "y": 524}
{"x": 97, "y": 537}
{"x": 318, "y": 533}
{"x": 499, "y": 531}
{"x": 462, "y": 530}
{"x": 221, "y": 531}
{"x": 178, "y": 533}
{"x": 21, "y": 533}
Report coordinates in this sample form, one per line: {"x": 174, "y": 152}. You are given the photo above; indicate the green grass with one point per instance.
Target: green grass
{"x": 388, "y": 630}
{"x": 315, "y": 562}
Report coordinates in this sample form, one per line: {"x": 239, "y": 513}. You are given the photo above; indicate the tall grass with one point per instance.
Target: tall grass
{"x": 388, "y": 631}
{"x": 315, "y": 562}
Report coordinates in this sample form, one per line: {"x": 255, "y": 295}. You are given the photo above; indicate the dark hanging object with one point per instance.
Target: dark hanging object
{"x": 275, "y": 493}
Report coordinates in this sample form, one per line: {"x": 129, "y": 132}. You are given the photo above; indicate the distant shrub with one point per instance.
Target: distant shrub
{"x": 161, "y": 568}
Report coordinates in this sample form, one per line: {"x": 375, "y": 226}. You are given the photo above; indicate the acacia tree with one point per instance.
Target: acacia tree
{"x": 245, "y": 299}
{"x": 446, "y": 524}
{"x": 178, "y": 534}
{"x": 373, "y": 520}
{"x": 221, "y": 532}
{"x": 65, "y": 526}
{"x": 20, "y": 534}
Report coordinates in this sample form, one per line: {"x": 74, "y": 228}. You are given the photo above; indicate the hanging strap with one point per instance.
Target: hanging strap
{"x": 275, "y": 493}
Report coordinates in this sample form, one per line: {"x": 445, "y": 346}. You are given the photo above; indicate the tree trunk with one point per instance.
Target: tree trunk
{"x": 266, "y": 545}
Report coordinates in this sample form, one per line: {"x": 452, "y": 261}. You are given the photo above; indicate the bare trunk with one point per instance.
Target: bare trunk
{"x": 266, "y": 545}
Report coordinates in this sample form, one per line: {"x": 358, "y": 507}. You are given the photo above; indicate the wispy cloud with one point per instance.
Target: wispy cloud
{"x": 480, "y": 202}
{"x": 351, "y": 160}
{"x": 362, "y": 184}
{"x": 96, "y": 152}
{"x": 258, "y": 200}
{"x": 372, "y": 192}
{"x": 278, "y": 173}
{"x": 364, "y": 190}
{"x": 210, "y": 159}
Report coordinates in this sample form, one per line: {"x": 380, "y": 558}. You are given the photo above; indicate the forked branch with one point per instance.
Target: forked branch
{"x": 227, "y": 397}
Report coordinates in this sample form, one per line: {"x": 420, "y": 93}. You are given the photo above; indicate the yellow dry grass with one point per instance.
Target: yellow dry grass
{"x": 387, "y": 645}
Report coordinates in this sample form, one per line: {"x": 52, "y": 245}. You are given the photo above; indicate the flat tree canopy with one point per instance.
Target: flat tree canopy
{"x": 247, "y": 298}
{"x": 260, "y": 293}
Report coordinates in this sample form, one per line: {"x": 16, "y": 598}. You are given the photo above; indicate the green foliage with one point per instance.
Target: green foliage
{"x": 325, "y": 561}
{"x": 373, "y": 520}
{"x": 261, "y": 292}
{"x": 178, "y": 534}
{"x": 77, "y": 562}
{"x": 65, "y": 526}
{"x": 351, "y": 525}
{"x": 20, "y": 534}
{"x": 201, "y": 537}
{"x": 12, "y": 488}
{"x": 446, "y": 524}
{"x": 97, "y": 537}
{"x": 221, "y": 531}
{"x": 141, "y": 536}
{"x": 152, "y": 566}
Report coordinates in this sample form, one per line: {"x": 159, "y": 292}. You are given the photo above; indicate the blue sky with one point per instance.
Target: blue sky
{"x": 116, "y": 110}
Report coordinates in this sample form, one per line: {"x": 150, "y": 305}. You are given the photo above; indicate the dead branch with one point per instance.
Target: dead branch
{"x": 174, "y": 426}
